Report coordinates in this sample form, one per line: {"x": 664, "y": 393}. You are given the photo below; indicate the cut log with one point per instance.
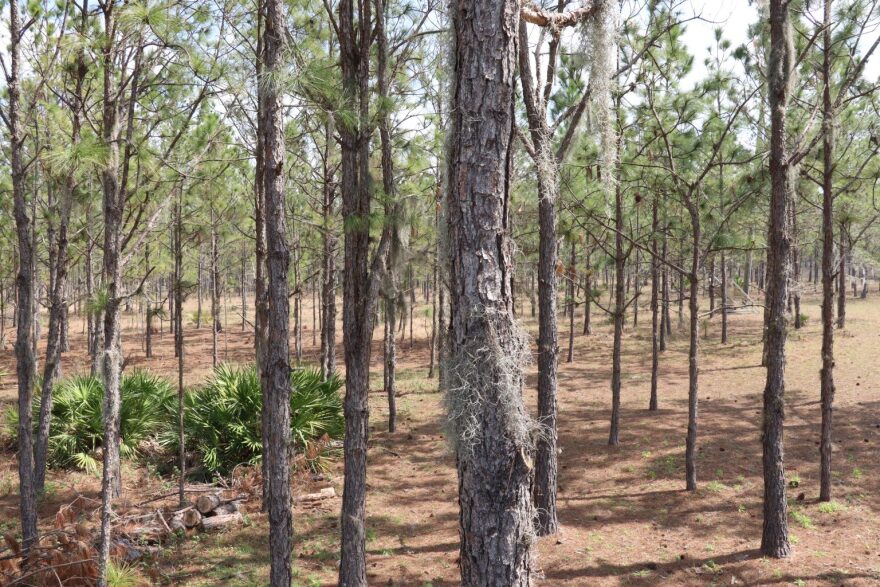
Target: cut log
{"x": 208, "y": 503}
{"x": 226, "y": 509}
{"x": 219, "y": 521}
{"x": 191, "y": 518}
{"x": 325, "y": 493}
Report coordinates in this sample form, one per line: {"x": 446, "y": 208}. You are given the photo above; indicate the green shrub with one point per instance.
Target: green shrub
{"x": 222, "y": 418}
{"x": 77, "y": 428}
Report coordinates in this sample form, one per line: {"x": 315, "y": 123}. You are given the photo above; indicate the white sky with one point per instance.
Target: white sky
{"x": 734, "y": 18}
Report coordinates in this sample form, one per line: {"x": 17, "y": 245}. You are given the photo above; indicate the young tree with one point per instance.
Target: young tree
{"x": 548, "y": 158}
{"x": 24, "y": 341}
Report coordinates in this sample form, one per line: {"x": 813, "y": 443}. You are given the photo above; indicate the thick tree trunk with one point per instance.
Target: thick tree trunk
{"x": 494, "y": 449}
{"x": 359, "y": 290}
{"x": 774, "y": 540}
{"x": 276, "y": 364}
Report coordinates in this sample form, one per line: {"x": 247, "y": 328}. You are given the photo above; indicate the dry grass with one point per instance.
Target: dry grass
{"x": 626, "y": 519}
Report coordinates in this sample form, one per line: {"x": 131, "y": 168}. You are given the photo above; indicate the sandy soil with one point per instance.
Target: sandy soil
{"x": 625, "y": 517}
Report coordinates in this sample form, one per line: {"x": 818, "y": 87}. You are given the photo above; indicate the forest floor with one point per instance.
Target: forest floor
{"x": 625, "y": 516}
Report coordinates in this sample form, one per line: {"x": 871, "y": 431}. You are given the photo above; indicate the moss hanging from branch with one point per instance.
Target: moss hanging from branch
{"x": 599, "y": 36}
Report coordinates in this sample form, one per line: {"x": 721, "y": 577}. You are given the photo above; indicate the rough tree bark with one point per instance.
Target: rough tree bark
{"x": 114, "y": 181}
{"x": 360, "y": 280}
{"x": 827, "y": 372}
{"x": 24, "y": 353}
{"x": 774, "y": 539}
{"x": 276, "y": 364}
{"x": 494, "y": 468}
{"x": 544, "y": 489}
{"x": 328, "y": 266}
{"x": 261, "y": 305}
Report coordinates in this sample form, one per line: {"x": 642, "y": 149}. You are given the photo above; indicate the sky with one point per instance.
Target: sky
{"x": 734, "y": 18}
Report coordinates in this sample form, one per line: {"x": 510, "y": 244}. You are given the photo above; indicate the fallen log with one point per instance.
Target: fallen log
{"x": 226, "y": 508}
{"x": 208, "y": 503}
{"x": 219, "y": 521}
{"x": 325, "y": 493}
{"x": 191, "y": 518}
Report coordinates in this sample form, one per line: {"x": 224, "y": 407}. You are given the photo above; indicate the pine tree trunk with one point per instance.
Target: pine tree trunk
{"x": 841, "y": 275}
{"x": 588, "y": 297}
{"x": 390, "y": 364}
{"x": 24, "y": 354}
{"x": 328, "y": 267}
{"x": 710, "y": 282}
{"x": 572, "y": 275}
{"x": 774, "y": 540}
{"x": 690, "y": 456}
{"x": 495, "y": 468}
{"x": 619, "y": 317}
{"x": 747, "y": 281}
{"x": 656, "y": 327}
{"x": 359, "y": 295}
{"x": 215, "y": 286}
{"x": 114, "y": 195}
{"x": 826, "y": 376}
{"x": 243, "y": 289}
{"x": 276, "y": 365}
{"x": 54, "y": 346}
{"x": 178, "y": 345}
{"x": 723, "y": 298}
{"x": 434, "y": 288}
{"x": 664, "y": 295}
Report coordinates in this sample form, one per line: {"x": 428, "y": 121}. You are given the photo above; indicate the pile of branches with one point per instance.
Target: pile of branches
{"x": 68, "y": 556}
